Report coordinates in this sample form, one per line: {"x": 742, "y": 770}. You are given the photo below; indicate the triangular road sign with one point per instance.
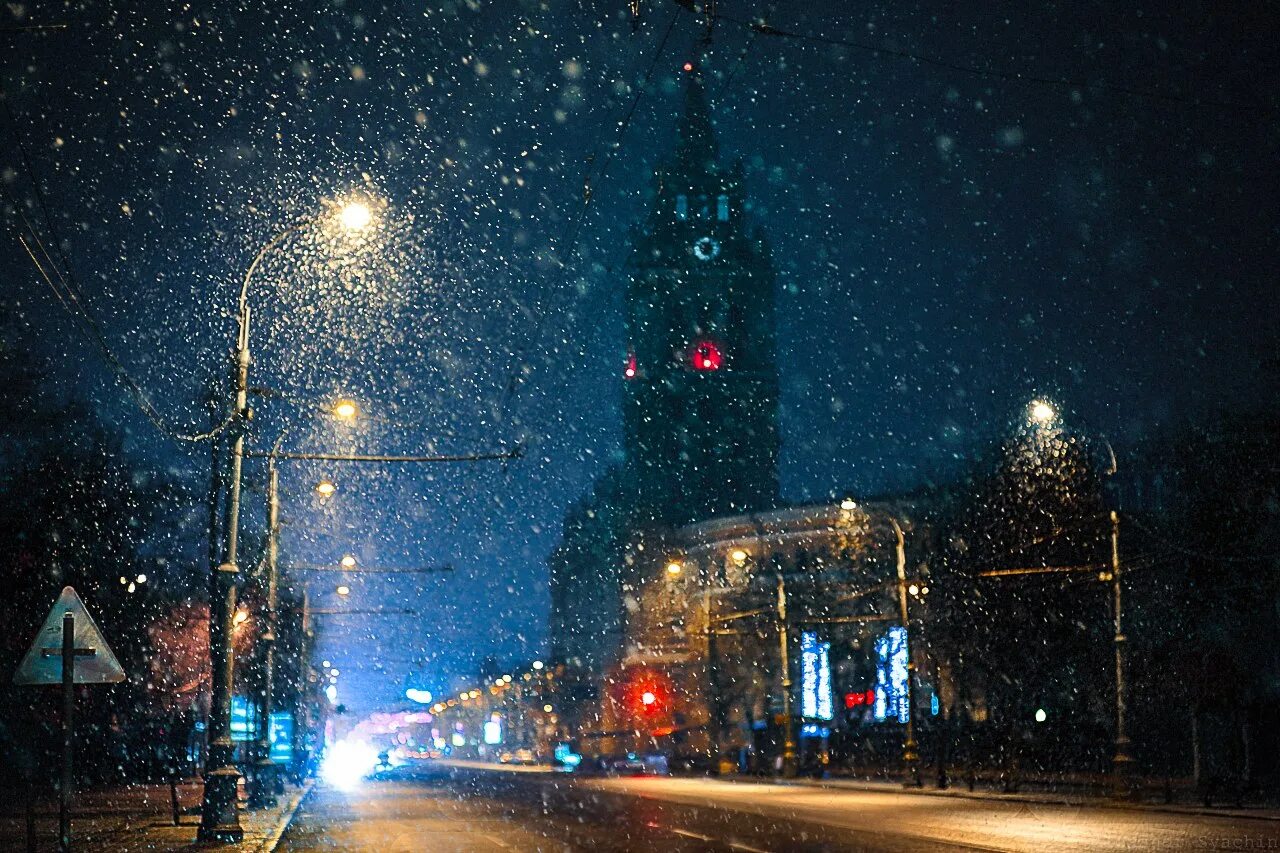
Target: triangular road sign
{"x": 95, "y": 662}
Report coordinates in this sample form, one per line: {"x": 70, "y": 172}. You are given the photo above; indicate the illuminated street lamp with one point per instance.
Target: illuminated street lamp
{"x": 1042, "y": 412}
{"x": 674, "y": 568}
{"x": 346, "y": 409}
{"x": 344, "y": 590}
{"x": 348, "y": 562}
{"x": 220, "y": 810}
{"x": 326, "y": 488}
{"x": 355, "y": 216}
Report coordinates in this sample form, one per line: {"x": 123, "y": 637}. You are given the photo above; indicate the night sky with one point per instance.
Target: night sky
{"x": 948, "y": 243}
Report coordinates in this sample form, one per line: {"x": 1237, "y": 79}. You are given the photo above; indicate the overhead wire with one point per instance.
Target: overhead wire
{"x": 766, "y": 29}
{"x": 70, "y": 297}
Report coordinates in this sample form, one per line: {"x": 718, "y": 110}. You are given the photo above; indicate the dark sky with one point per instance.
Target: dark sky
{"x": 948, "y": 243}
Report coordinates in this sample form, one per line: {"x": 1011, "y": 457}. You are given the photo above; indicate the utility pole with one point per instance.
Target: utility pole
{"x": 266, "y": 775}
{"x": 1121, "y": 761}
{"x": 220, "y": 811}
{"x": 714, "y": 706}
{"x": 789, "y": 768}
{"x": 910, "y": 754}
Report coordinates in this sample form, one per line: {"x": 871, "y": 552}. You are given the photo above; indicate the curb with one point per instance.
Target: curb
{"x": 1048, "y": 799}
{"x": 272, "y": 841}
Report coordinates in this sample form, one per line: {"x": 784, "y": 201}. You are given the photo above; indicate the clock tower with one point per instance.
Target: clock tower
{"x": 701, "y": 383}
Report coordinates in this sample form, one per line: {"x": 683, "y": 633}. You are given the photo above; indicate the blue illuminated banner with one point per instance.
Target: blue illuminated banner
{"x": 244, "y": 720}
{"x": 893, "y": 698}
{"x": 281, "y": 737}
{"x": 815, "y": 678}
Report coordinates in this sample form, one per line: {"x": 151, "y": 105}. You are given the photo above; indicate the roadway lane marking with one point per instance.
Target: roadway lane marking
{"x": 697, "y": 836}
{"x": 738, "y": 846}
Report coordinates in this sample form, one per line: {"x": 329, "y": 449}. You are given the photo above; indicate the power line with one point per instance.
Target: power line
{"x": 68, "y": 293}
{"x": 375, "y": 457}
{"x": 767, "y": 29}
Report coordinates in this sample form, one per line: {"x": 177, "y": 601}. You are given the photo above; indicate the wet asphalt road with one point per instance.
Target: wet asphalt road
{"x": 437, "y": 808}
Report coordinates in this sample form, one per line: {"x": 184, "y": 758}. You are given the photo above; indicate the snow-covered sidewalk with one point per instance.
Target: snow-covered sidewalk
{"x": 140, "y": 818}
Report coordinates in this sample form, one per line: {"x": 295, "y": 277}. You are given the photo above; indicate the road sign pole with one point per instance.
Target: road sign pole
{"x": 68, "y": 710}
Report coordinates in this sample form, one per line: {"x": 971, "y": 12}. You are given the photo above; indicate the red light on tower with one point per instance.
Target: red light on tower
{"x": 688, "y": 66}
{"x": 706, "y": 356}
{"x": 630, "y": 370}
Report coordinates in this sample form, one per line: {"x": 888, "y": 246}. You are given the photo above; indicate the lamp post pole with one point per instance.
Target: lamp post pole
{"x": 220, "y": 810}
{"x": 784, "y": 660}
{"x": 1121, "y": 761}
{"x": 910, "y": 753}
{"x": 265, "y": 776}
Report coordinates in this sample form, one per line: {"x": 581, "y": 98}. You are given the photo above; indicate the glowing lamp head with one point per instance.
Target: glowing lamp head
{"x": 1042, "y": 412}
{"x": 647, "y": 698}
{"x": 848, "y": 504}
{"x": 346, "y": 409}
{"x": 348, "y": 562}
{"x": 326, "y": 488}
{"x": 630, "y": 370}
{"x": 688, "y": 66}
{"x": 355, "y": 216}
{"x": 739, "y": 556}
{"x": 344, "y": 590}
{"x": 674, "y": 568}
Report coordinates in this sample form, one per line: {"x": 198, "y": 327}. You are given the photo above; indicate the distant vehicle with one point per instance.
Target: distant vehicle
{"x": 633, "y": 764}
{"x": 523, "y": 755}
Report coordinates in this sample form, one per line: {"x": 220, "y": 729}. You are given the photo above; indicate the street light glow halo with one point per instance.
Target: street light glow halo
{"x": 355, "y": 216}
{"x": 346, "y": 410}
{"x": 1042, "y": 411}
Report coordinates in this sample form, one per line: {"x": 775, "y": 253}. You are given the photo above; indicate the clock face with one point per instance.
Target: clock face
{"x": 706, "y": 249}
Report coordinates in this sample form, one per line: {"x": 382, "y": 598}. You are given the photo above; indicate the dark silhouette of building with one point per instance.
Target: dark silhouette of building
{"x": 701, "y": 390}
{"x": 701, "y": 397}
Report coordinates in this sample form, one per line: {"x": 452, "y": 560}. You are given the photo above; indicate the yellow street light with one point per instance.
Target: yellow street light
{"x": 1042, "y": 412}
{"x": 326, "y": 488}
{"x": 348, "y": 562}
{"x": 739, "y": 556}
{"x": 346, "y": 410}
{"x": 674, "y": 568}
{"x": 344, "y": 590}
{"x": 848, "y": 504}
{"x": 355, "y": 216}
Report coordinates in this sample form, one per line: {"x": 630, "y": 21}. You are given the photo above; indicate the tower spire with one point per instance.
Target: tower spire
{"x": 697, "y": 149}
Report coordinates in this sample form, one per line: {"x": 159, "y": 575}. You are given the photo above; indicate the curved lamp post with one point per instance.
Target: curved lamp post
{"x": 220, "y": 811}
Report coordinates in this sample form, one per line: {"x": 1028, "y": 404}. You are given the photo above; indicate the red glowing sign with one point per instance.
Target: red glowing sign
{"x": 706, "y": 356}
{"x": 862, "y": 697}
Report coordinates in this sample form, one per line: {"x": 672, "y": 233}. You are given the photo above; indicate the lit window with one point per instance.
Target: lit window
{"x": 722, "y": 208}
{"x": 705, "y": 356}
{"x": 682, "y": 206}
